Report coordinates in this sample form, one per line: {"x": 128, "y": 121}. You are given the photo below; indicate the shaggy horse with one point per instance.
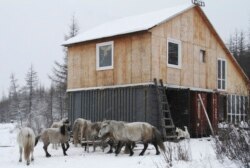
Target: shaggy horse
{"x": 92, "y": 134}
{"x": 129, "y": 133}
{"x": 26, "y": 141}
{"x": 182, "y": 134}
{"x": 58, "y": 124}
{"x": 79, "y": 130}
{"x": 54, "y": 136}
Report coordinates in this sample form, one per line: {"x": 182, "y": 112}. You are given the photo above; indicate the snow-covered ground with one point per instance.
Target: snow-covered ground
{"x": 202, "y": 156}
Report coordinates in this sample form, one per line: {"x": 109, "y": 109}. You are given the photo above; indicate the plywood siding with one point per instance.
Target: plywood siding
{"x": 142, "y": 56}
{"x": 132, "y": 62}
{"x": 195, "y": 34}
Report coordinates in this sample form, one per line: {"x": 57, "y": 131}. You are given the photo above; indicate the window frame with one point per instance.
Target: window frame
{"x": 178, "y": 42}
{"x": 98, "y": 45}
{"x": 221, "y": 79}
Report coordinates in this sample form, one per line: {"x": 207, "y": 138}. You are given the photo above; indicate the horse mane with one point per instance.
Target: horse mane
{"x": 96, "y": 126}
{"x": 63, "y": 130}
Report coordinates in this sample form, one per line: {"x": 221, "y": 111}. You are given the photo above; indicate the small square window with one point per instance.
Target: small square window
{"x": 203, "y": 56}
{"x": 104, "y": 56}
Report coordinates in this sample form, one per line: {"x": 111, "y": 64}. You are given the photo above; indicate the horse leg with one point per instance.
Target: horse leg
{"x": 28, "y": 161}
{"x": 156, "y": 148}
{"x": 67, "y": 146}
{"x": 64, "y": 149}
{"x": 32, "y": 156}
{"x": 129, "y": 147}
{"x": 20, "y": 152}
{"x": 45, "y": 148}
{"x": 111, "y": 144}
{"x": 118, "y": 148}
{"x": 144, "y": 149}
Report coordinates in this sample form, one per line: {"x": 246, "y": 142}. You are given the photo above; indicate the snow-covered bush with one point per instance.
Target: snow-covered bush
{"x": 177, "y": 152}
{"x": 234, "y": 143}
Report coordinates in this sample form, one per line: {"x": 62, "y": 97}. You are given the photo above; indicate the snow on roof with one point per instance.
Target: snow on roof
{"x": 129, "y": 24}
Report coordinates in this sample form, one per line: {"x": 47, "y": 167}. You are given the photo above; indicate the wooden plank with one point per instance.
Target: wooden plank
{"x": 136, "y": 60}
{"x": 145, "y": 55}
{"x": 187, "y": 62}
{"x": 196, "y": 65}
{"x": 155, "y": 57}
{"x": 176, "y": 27}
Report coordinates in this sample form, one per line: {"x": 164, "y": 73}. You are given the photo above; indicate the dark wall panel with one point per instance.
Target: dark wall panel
{"x": 138, "y": 103}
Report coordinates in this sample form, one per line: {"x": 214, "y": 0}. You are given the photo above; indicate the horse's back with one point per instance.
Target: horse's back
{"x": 138, "y": 131}
{"x": 26, "y": 134}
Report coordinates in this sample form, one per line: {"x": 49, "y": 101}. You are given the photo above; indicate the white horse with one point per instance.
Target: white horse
{"x": 182, "y": 134}
{"x": 26, "y": 141}
{"x": 129, "y": 133}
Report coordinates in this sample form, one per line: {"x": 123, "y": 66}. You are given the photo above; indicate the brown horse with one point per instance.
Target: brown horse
{"x": 132, "y": 132}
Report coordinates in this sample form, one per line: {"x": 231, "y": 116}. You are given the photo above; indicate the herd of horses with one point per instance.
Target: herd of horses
{"x": 115, "y": 133}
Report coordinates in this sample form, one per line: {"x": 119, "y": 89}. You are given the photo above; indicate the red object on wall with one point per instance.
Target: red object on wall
{"x": 199, "y": 123}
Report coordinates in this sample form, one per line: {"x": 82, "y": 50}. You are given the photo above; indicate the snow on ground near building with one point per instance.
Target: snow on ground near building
{"x": 202, "y": 152}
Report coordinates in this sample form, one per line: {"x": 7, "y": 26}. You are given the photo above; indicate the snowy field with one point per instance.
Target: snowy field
{"x": 201, "y": 150}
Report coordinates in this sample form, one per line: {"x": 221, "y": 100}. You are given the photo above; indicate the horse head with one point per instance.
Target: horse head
{"x": 105, "y": 129}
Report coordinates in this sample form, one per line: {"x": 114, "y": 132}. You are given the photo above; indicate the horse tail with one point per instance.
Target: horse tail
{"x": 28, "y": 146}
{"x": 158, "y": 139}
{"x": 75, "y": 132}
{"x": 37, "y": 138}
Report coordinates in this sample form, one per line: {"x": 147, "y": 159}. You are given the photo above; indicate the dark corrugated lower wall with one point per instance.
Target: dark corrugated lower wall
{"x": 137, "y": 103}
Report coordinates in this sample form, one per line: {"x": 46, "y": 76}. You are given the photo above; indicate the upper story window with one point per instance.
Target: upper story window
{"x": 221, "y": 74}
{"x": 174, "y": 53}
{"x": 104, "y": 55}
{"x": 203, "y": 56}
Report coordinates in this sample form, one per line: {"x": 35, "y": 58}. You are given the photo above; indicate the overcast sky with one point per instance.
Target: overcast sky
{"x": 31, "y": 31}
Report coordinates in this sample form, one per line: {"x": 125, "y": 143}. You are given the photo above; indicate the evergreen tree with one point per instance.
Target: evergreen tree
{"x": 15, "y": 113}
{"x": 31, "y": 85}
{"x": 60, "y": 73}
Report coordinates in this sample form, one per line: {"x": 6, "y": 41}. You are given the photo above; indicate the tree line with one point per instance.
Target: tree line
{"x": 239, "y": 46}
{"x": 34, "y": 105}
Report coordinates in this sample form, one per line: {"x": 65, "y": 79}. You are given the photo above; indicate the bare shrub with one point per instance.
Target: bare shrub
{"x": 233, "y": 143}
{"x": 176, "y": 152}
{"x": 183, "y": 151}
{"x": 168, "y": 155}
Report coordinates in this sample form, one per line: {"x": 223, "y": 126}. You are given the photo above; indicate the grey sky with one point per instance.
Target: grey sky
{"x": 31, "y": 31}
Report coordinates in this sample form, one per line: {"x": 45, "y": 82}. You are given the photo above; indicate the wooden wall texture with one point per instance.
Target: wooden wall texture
{"x": 195, "y": 33}
{"x": 142, "y": 56}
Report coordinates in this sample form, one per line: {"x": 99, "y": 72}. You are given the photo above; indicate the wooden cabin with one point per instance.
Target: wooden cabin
{"x": 112, "y": 67}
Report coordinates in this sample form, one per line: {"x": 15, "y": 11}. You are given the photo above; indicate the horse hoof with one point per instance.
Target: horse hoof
{"x": 20, "y": 160}
{"x": 131, "y": 154}
{"x": 141, "y": 154}
{"x": 157, "y": 153}
{"x": 48, "y": 155}
{"x": 28, "y": 163}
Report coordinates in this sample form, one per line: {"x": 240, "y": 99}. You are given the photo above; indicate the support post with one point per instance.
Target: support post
{"x": 205, "y": 111}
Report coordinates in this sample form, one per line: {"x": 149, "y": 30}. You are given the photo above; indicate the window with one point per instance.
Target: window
{"x": 174, "y": 53}
{"x": 203, "y": 56}
{"x": 104, "y": 56}
{"x": 237, "y": 108}
{"x": 221, "y": 74}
